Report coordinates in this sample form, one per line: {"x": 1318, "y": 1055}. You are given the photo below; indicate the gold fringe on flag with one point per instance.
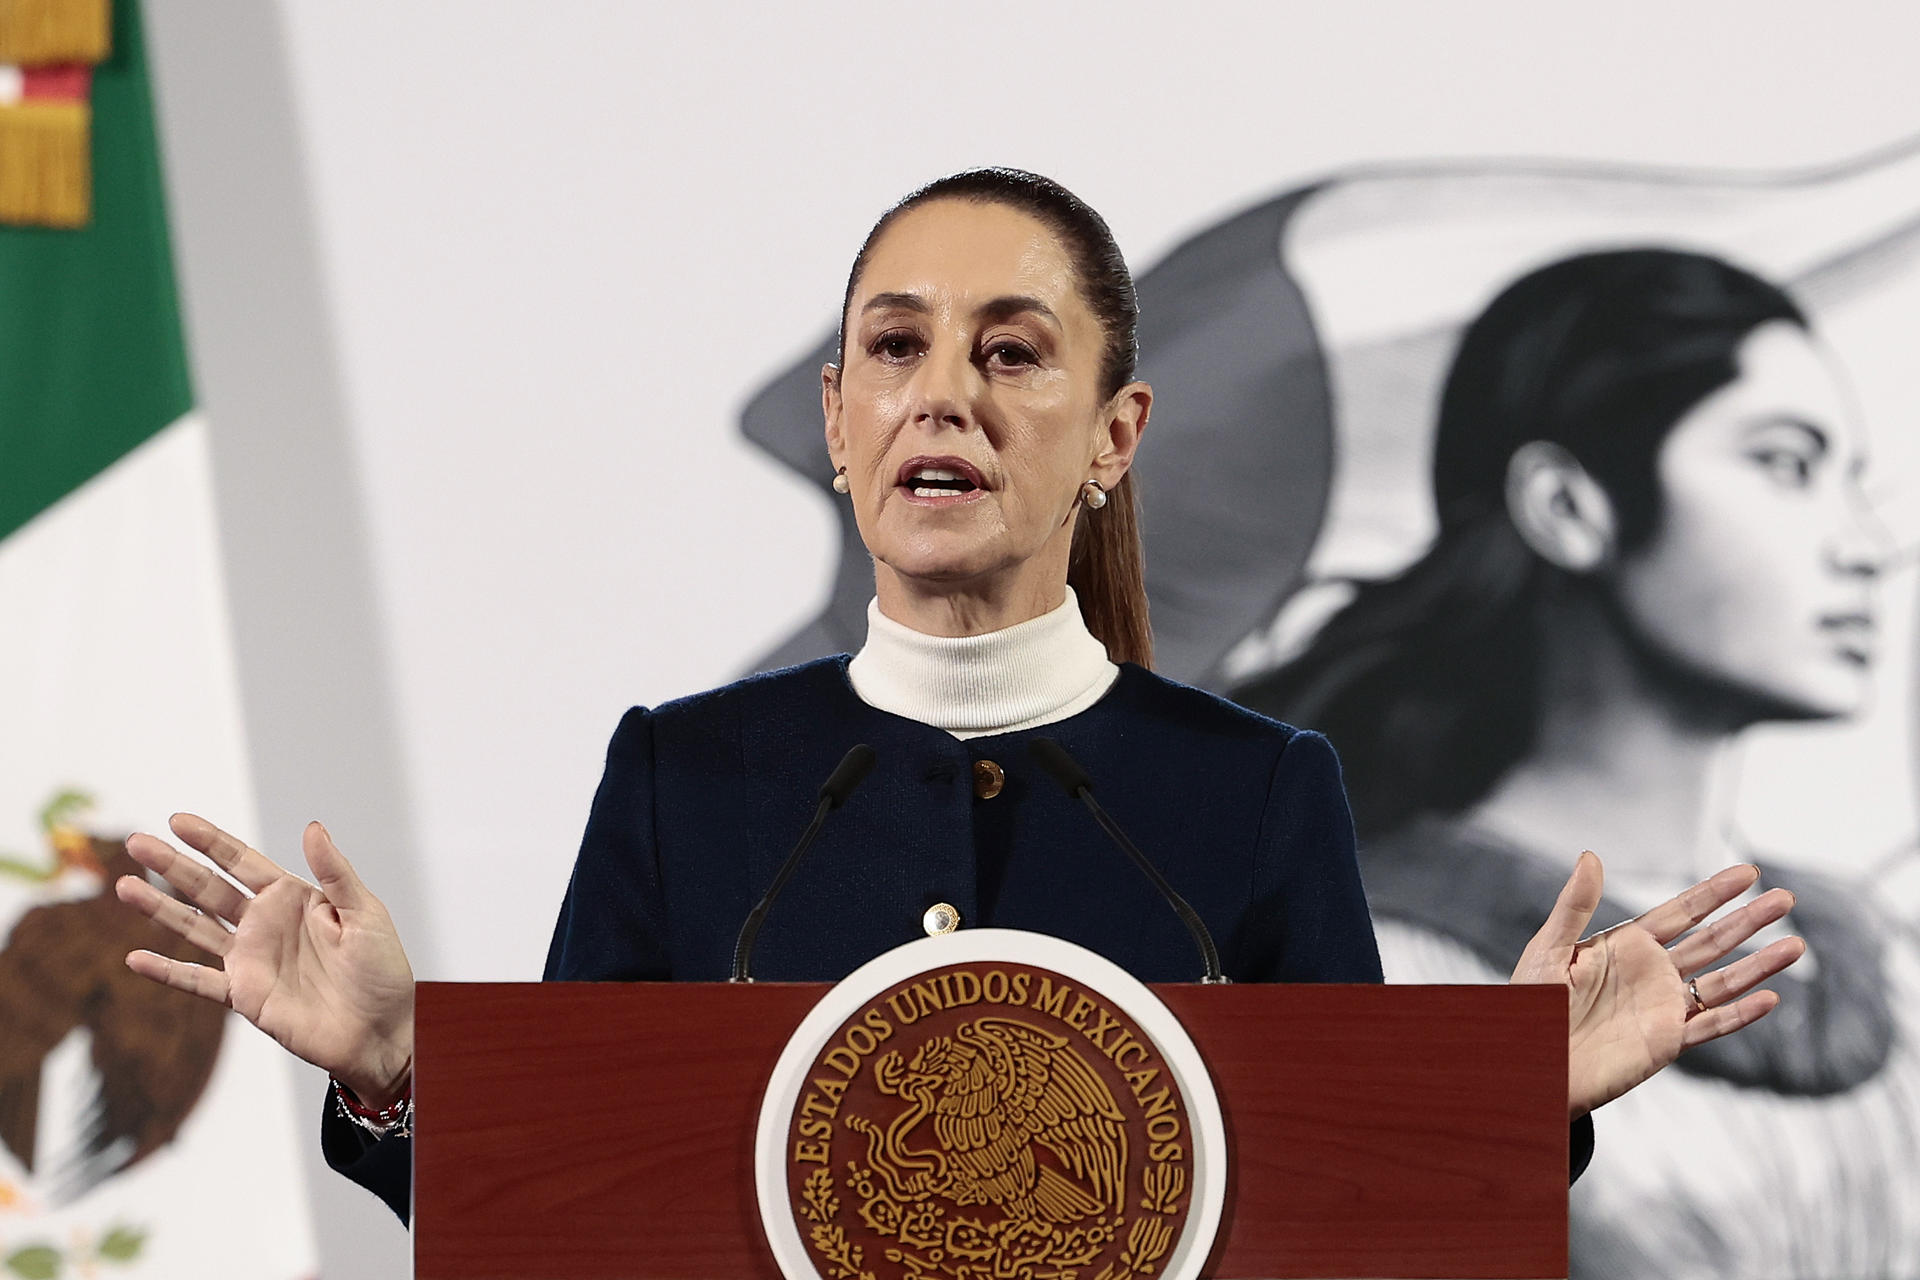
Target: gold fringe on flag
{"x": 45, "y": 177}
{"x": 40, "y": 31}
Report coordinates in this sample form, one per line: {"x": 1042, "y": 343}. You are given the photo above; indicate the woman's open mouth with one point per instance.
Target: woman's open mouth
{"x": 940, "y": 481}
{"x": 1853, "y": 636}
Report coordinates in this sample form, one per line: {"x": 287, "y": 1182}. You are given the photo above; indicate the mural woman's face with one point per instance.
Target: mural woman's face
{"x": 968, "y": 412}
{"x": 1759, "y": 575}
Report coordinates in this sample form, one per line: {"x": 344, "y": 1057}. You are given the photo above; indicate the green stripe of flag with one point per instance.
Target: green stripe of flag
{"x": 92, "y": 359}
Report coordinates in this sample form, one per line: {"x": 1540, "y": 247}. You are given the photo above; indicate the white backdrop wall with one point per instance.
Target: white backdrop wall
{"x": 477, "y": 291}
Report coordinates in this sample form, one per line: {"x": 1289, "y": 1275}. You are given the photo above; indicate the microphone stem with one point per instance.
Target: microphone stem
{"x": 750, "y": 931}
{"x": 1188, "y": 916}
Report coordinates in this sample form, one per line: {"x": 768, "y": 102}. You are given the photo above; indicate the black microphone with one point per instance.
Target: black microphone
{"x": 848, "y": 774}
{"x": 1073, "y": 780}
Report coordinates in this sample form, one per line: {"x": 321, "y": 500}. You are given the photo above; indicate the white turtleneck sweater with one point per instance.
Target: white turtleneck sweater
{"x": 1021, "y": 677}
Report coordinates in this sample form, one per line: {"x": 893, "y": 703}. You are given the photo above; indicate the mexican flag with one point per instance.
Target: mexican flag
{"x": 143, "y": 1133}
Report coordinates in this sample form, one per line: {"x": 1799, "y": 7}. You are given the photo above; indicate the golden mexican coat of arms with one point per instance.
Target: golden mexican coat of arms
{"x": 989, "y": 1122}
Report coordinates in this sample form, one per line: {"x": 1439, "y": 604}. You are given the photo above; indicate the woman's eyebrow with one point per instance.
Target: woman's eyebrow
{"x": 1816, "y": 434}
{"x": 896, "y": 302}
{"x": 1016, "y": 304}
{"x": 997, "y": 309}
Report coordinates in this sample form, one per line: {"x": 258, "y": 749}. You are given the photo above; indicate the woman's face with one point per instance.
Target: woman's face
{"x": 968, "y": 411}
{"x": 1759, "y": 575}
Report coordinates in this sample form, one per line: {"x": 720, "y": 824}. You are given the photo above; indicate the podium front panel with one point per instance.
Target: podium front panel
{"x": 587, "y": 1131}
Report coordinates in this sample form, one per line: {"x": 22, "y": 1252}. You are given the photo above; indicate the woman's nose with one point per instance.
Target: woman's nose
{"x": 944, "y": 387}
{"x": 1864, "y": 543}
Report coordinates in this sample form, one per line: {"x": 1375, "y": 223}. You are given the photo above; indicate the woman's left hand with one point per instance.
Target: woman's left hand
{"x": 1630, "y": 1007}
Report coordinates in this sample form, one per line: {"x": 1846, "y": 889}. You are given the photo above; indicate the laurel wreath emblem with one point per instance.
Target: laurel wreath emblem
{"x": 991, "y": 1146}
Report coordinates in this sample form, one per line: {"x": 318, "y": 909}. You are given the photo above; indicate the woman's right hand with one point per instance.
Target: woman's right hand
{"x": 320, "y": 969}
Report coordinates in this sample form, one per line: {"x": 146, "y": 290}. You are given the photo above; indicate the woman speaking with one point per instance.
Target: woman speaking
{"x": 981, "y": 420}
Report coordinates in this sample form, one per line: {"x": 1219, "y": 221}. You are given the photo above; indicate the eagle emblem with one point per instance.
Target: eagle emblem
{"x": 989, "y": 1123}
{"x": 999, "y": 1092}
{"x": 151, "y": 1050}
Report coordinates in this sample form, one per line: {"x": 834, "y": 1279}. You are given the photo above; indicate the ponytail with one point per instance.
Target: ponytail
{"x": 1107, "y": 572}
{"x": 1427, "y": 681}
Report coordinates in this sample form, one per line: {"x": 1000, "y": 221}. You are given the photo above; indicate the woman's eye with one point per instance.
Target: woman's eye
{"x": 1012, "y": 355}
{"x": 1784, "y": 467}
{"x": 894, "y": 346}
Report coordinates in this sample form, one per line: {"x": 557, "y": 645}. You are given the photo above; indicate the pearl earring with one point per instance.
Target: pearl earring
{"x": 1093, "y": 495}
{"x": 840, "y": 480}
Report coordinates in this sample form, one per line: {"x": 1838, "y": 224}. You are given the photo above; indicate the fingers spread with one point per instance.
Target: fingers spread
{"x": 241, "y": 861}
{"x": 336, "y": 875}
{"x": 1748, "y": 972}
{"x": 1728, "y": 1018}
{"x": 1704, "y": 946}
{"x": 171, "y": 913}
{"x": 1680, "y": 913}
{"x": 196, "y": 979}
{"x": 204, "y": 888}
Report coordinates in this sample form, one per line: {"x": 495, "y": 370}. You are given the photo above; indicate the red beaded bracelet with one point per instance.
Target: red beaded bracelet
{"x": 395, "y": 1119}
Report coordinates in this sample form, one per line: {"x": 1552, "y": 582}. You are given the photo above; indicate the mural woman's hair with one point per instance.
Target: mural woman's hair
{"x": 1428, "y": 682}
{"x": 1106, "y": 571}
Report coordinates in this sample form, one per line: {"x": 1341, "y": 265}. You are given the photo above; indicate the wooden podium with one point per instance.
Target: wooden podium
{"x": 606, "y": 1130}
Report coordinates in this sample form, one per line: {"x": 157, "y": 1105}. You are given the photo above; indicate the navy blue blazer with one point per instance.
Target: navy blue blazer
{"x": 703, "y": 797}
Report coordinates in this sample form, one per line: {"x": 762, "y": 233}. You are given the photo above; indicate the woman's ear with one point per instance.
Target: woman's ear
{"x": 1560, "y": 511}
{"x": 830, "y": 404}
{"x": 1124, "y": 423}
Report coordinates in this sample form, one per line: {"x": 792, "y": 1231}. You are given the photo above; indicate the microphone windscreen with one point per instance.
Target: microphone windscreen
{"x": 848, "y": 774}
{"x": 1060, "y": 766}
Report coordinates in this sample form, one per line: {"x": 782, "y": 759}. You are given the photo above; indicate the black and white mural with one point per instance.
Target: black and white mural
{"x": 1573, "y": 504}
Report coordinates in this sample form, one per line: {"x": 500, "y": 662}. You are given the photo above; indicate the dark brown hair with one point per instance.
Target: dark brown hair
{"x": 1106, "y": 569}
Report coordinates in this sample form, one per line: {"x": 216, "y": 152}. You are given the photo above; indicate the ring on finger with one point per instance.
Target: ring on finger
{"x": 1693, "y": 994}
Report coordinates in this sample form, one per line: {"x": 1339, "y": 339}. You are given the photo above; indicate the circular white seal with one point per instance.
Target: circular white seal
{"x": 1034, "y": 1102}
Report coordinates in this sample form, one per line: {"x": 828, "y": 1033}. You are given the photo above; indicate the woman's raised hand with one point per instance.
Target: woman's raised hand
{"x": 320, "y": 969}
{"x": 1631, "y": 989}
